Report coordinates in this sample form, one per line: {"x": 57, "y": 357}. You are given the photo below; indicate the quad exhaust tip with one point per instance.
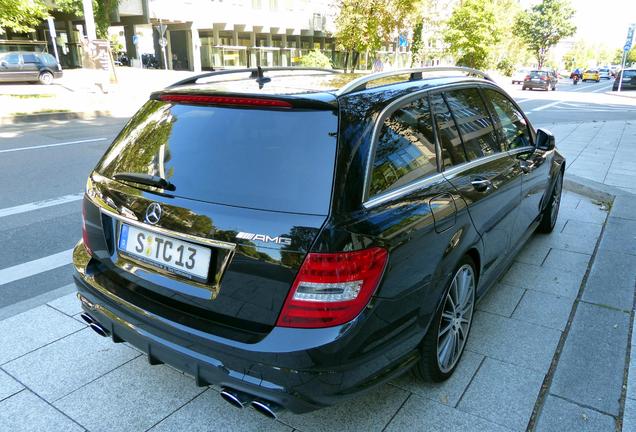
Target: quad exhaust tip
{"x": 268, "y": 409}
{"x": 87, "y": 318}
{"x": 236, "y": 398}
{"x": 97, "y": 327}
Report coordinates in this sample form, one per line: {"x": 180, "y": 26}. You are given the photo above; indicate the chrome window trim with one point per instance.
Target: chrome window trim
{"x": 457, "y": 169}
{"x": 521, "y": 150}
{"x": 402, "y": 190}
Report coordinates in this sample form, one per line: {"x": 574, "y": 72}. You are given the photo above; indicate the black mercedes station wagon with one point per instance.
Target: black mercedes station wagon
{"x": 298, "y": 236}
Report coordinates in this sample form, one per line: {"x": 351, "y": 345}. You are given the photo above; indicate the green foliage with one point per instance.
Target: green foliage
{"x": 544, "y": 25}
{"x": 631, "y": 56}
{"x": 21, "y": 16}
{"x": 417, "y": 47}
{"x": 367, "y": 24}
{"x": 510, "y": 48}
{"x": 506, "y": 66}
{"x": 102, "y": 11}
{"x": 472, "y": 33}
{"x": 315, "y": 59}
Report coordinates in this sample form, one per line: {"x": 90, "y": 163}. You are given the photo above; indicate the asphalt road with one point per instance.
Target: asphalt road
{"x": 43, "y": 168}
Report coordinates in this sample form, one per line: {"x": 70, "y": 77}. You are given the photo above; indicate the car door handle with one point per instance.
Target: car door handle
{"x": 525, "y": 166}
{"x": 481, "y": 185}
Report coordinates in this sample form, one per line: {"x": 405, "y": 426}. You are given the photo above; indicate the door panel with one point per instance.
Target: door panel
{"x": 30, "y": 67}
{"x": 10, "y": 67}
{"x": 486, "y": 177}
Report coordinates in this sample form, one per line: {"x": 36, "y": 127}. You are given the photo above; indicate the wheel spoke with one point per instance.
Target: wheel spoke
{"x": 448, "y": 316}
{"x": 443, "y": 331}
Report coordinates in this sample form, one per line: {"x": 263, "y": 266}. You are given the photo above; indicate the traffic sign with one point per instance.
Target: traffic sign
{"x": 135, "y": 39}
{"x": 627, "y": 47}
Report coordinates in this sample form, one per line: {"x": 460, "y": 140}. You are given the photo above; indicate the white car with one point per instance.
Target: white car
{"x": 604, "y": 73}
{"x": 519, "y": 75}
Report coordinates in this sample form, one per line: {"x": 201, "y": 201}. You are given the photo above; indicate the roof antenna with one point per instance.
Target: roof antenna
{"x": 260, "y": 78}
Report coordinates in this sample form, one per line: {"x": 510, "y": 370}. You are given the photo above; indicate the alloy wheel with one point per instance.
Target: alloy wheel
{"x": 456, "y": 318}
{"x": 556, "y": 200}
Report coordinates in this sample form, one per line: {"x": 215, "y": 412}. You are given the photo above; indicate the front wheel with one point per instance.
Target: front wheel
{"x": 46, "y": 78}
{"x": 444, "y": 344}
{"x": 551, "y": 212}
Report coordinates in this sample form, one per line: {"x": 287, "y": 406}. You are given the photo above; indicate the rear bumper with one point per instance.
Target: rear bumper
{"x": 294, "y": 368}
{"x": 533, "y": 85}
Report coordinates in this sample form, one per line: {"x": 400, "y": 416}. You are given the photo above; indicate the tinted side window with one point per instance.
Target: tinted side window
{"x": 513, "y": 125}
{"x": 474, "y": 123}
{"x": 452, "y": 150}
{"x": 30, "y": 58}
{"x": 406, "y": 148}
{"x": 12, "y": 58}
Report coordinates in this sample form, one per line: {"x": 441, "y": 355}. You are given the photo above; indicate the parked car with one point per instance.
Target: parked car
{"x": 629, "y": 79}
{"x": 296, "y": 237}
{"x": 540, "y": 79}
{"x": 604, "y": 73}
{"x": 519, "y": 75}
{"x": 591, "y": 75}
{"x": 29, "y": 66}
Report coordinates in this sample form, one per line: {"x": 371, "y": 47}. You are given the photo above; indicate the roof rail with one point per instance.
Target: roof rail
{"x": 254, "y": 73}
{"x": 415, "y": 74}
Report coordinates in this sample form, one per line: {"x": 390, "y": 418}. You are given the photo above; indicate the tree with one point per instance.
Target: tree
{"x": 21, "y": 16}
{"x": 315, "y": 59}
{"x": 544, "y": 25}
{"x": 472, "y": 33}
{"x": 363, "y": 25}
{"x": 102, "y": 11}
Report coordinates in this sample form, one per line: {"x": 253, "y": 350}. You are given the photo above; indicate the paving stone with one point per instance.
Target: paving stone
{"x": 69, "y": 304}
{"x": 572, "y": 261}
{"x": 563, "y": 416}
{"x": 544, "y": 309}
{"x": 545, "y": 279}
{"x": 619, "y": 236}
{"x": 631, "y": 373}
{"x": 420, "y": 414}
{"x": 33, "y": 329}
{"x": 25, "y": 412}
{"x": 629, "y": 417}
{"x": 513, "y": 341}
{"x": 573, "y": 227}
{"x": 449, "y": 391}
{"x": 534, "y": 252}
{"x": 571, "y": 242}
{"x": 501, "y": 299}
{"x": 209, "y": 412}
{"x": 584, "y": 213}
{"x": 590, "y": 369}
{"x": 624, "y": 207}
{"x": 46, "y": 372}
{"x": 503, "y": 393}
{"x": 569, "y": 200}
{"x": 368, "y": 412}
{"x": 8, "y": 386}
{"x": 133, "y": 397}
{"x": 612, "y": 280}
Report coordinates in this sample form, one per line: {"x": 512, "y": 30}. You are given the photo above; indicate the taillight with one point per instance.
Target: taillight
{"x": 527, "y": 78}
{"x": 332, "y": 288}
{"x": 544, "y": 78}
{"x": 225, "y": 100}
{"x": 84, "y": 232}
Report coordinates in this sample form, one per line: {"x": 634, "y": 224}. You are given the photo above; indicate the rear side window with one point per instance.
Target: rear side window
{"x": 452, "y": 149}
{"x": 474, "y": 123}
{"x": 12, "y": 58}
{"x": 30, "y": 58}
{"x": 48, "y": 59}
{"x": 279, "y": 160}
{"x": 630, "y": 74}
{"x": 513, "y": 124}
{"x": 406, "y": 148}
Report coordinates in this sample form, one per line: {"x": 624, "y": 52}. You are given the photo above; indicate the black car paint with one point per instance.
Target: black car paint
{"x": 427, "y": 232}
{"x": 26, "y": 71}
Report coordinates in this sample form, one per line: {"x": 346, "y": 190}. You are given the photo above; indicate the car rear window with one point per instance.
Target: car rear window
{"x": 280, "y": 160}
{"x": 534, "y": 74}
{"x": 629, "y": 73}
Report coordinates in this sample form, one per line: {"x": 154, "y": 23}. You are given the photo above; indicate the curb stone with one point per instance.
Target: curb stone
{"x": 42, "y": 117}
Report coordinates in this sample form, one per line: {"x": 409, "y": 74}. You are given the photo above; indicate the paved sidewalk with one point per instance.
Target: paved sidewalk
{"x": 57, "y": 375}
{"x": 604, "y": 152}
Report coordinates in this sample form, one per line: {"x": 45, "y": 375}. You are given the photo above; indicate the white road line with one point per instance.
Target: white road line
{"x": 525, "y": 100}
{"x": 23, "y": 208}
{"x": 53, "y": 145}
{"x": 24, "y": 270}
{"x": 542, "y": 107}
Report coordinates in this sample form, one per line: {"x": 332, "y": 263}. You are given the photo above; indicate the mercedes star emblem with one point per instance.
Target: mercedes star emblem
{"x": 153, "y": 213}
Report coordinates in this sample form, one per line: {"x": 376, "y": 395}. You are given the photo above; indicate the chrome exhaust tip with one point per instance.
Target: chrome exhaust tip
{"x": 87, "y": 318}
{"x": 99, "y": 329}
{"x": 268, "y": 409}
{"x": 235, "y": 397}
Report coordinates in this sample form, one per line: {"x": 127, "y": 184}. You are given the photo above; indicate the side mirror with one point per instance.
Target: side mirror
{"x": 545, "y": 140}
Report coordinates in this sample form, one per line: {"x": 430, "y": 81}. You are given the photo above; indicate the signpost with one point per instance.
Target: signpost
{"x": 53, "y": 36}
{"x": 626, "y": 48}
{"x": 163, "y": 42}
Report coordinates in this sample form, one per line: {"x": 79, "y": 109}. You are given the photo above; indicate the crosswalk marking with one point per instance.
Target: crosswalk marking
{"x": 52, "y": 145}
{"x": 23, "y": 208}
{"x": 31, "y": 268}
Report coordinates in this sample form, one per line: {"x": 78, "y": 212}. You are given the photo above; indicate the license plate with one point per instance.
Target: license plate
{"x": 536, "y": 79}
{"x": 165, "y": 252}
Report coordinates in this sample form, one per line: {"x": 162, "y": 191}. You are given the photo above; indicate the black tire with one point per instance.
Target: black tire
{"x": 428, "y": 367}
{"x": 551, "y": 212}
{"x": 45, "y": 78}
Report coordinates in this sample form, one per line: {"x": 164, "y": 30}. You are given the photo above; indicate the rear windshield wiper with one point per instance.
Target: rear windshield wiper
{"x": 145, "y": 179}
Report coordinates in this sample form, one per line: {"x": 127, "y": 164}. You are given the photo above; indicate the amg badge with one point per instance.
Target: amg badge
{"x": 264, "y": 238}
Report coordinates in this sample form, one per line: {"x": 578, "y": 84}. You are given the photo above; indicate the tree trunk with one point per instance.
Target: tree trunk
{"x": 354, "y": 61}
{"x": 346, "y": 62}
